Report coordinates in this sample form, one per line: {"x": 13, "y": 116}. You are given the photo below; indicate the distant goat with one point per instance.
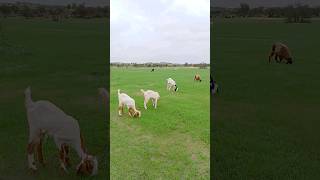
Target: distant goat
{"x": 46, "y": 118}
{"x": 213, "y": 86}
{"x": 125, "y": 100}
{"x": 197, "y": 78}
{"x": 149, "y": 94}
{"x": 152, "y": 70}
{"x": 170, "y": 84}
{"x": 280, "y": 51}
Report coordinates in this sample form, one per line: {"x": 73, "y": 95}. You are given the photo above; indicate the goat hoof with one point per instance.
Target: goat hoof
{"x": 64, "y": 170}
{"x": 32, "y": 171}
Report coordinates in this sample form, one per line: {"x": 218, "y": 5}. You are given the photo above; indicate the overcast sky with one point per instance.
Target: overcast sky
{"x": 163, "y": 30}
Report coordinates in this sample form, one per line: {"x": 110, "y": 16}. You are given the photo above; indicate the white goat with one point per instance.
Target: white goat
{"x": 125, "y": 100}
{"x": 46, "y": 118}
{"x": 149, "y": 94}
{"x": 170, "y": 84}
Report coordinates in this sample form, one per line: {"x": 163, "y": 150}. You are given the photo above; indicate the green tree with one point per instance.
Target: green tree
{"x": 5, "y": 10}
{"x": 244, "y": 9}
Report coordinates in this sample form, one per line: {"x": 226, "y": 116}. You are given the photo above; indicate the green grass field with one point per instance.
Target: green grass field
{"x": 64, "y": 62}
{"x": 170, "y": 142}
{"x": 266, "y": 119}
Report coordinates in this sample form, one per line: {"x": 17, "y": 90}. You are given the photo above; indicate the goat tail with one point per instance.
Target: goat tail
{"x": 118, "y": 92}
{"x": 28, "y": 99}
{"x": 142, "y": 90}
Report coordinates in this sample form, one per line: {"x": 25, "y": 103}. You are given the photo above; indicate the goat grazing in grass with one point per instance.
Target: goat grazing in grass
{"x": 197, "y": 78}
{"x": 46, "y": 118}
{"x": 170, "y": 84}
{"x": 280, "y": 51}
{"x": 125, "y": 100}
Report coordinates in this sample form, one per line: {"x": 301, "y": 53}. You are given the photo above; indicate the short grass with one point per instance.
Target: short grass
{"x": 170, "y": 142}
{"x": 266, "y": 119}
{"x": 64, "y": 62}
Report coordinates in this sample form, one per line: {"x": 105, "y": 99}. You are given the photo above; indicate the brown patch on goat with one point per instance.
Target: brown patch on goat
{"x": 197, "y": 77}
{"x": 120, "y": 110}
{"x": 64, "y": 154}
{"x": 134, "y": 113}
{"x": 39, "y": 149}
{"x": 85, "y": 168}
{"x": 131, "y": 112}
{"x": 82, "y": 143}
{"x": 40, "y": 152}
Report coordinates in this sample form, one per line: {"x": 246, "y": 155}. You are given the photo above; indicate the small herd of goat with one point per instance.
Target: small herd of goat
{"x": 44, "y": 118}
{"x": 126, "y": 101}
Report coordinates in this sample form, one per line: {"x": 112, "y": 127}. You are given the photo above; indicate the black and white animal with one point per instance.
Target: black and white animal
{"x": 171, "y": 85}
{"x": 44, "y": 118}
{"x": 213, "y": 86}
{"x": 125, "y": 100}
{"x": 149, "y": 94}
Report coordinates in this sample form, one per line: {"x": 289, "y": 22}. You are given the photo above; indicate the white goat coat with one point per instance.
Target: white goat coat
{"x": 171, "y": 82}
{"x": 124, "y": 99}
{"x": 151, "y": 94}
{"x": 45, "y": 116}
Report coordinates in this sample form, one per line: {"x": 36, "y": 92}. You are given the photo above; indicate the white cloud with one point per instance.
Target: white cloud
{"x": 176, "y": 30}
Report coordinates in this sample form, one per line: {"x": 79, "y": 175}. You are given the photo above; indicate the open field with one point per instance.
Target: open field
{"x": 170, "y": 142}
{"x": 64, "y": 62}
{"x": 266, "y": 119}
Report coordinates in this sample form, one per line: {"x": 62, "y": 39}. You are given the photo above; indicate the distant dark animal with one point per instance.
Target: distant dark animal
{"x": 197, "y": 78}
{"x": 152, "y": 70}
{"x": 213, "y": 86}
{"x": 280, "y": 51}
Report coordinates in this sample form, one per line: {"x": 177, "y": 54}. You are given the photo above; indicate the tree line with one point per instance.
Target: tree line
{"x": 296, "y": 13}
{"x": 200, "y": 65}
{"x": 55, "y": 12}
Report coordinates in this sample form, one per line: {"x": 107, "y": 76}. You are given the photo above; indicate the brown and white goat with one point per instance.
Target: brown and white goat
{"x": 125, "y": 100}
{"x": 197, "y": 78}
{"x": 44, "y": 118}
{"x": 280, "y": 51}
